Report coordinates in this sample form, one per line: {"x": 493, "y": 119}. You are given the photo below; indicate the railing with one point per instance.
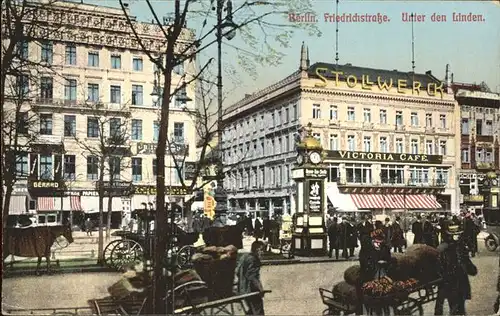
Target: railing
{"x": 84, "y": 310}
{"x": 57, "y": 102}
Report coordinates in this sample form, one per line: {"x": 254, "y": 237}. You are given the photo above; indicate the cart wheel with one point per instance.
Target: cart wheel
{"x": 184, "y": 256}
{"x": 125, "y": 252}
{"x": 107, "y": 252}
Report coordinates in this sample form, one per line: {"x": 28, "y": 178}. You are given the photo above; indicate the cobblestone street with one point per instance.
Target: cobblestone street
{"x": 294, "y": 287}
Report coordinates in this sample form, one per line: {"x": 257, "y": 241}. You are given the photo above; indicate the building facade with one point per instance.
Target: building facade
{"x": 480, "y": 154}
{"x": 390, "y": 136}
{"x": 99, "y": 84}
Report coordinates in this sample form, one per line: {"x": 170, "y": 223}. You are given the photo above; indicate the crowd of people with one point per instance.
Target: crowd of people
{"x": 345, "y": 232}
{"x": 455, "y": 239}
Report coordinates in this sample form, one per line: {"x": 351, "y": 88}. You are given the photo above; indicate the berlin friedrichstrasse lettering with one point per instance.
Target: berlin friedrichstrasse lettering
{"x": 366, "y": 82}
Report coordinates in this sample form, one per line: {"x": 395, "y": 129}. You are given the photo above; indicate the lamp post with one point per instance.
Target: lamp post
{"x": 220, "y": 193}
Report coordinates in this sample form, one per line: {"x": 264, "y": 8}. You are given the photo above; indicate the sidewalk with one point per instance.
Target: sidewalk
{"x": 81, "y": 255}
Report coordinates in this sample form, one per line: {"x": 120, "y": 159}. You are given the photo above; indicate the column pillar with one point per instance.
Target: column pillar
{"x": 293, "y": 207}
{"x": 271, "y": 208}
{"x": 285, "y": 206}
{"x": 247, "y": 205}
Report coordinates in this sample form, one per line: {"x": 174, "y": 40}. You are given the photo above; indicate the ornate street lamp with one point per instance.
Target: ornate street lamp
{"x": 220, "y": 193}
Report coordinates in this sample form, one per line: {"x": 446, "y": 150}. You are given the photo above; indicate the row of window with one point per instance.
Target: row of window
{"x": 256, "y": 177}
{"x": 70, "y": 57}
{"x": 94, "y": 93}
{"x": 482, "y": 155}
{"x": 367, "y": 116}
{"x": 431, "y": 147}
{"x": 44, "y": 167}
{"x": 482, "y": 128}
{"x": 271, "y": 118}
{"x": 116, "y": 127}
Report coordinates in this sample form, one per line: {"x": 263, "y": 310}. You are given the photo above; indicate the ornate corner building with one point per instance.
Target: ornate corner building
{"x": 391, "y": 138}
{"x": 96, "y": 81}
{"x": 480, "y": 154}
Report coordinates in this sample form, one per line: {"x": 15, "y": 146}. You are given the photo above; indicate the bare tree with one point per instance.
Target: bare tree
{"x": 23, "y": 28}
{"x": 191, "y": 174}
{"x": 180, "y": 44}
{"x": 107, "y": 145}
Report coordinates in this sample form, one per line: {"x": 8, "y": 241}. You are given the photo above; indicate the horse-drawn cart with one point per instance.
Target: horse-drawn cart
{"x": 402, "y": 302}
{"x": 137, "y": 246}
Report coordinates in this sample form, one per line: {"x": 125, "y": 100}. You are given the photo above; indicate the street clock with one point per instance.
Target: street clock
{"x": 315, "y": 157}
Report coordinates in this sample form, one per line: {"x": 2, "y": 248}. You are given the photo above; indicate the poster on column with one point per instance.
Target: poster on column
{"x": 315, "y": 195}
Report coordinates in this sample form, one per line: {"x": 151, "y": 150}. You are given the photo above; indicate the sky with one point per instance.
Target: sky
{"x": 471, "y": 48}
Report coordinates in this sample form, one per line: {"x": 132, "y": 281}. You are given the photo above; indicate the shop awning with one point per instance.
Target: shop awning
{"x": 342, "y": 202}
{"x": 90, "y": 204}
{"x": 69, "y": 203}
{"x": 45, "y": 203}
{"x": 17, "y": 205}
{"x": 395, "y": 201}
{"x": 75, "y": 203}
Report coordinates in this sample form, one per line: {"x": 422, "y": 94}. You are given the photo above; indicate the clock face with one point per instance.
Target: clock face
{"x": 315, "y": 157}
{"x": 300, "y": 159}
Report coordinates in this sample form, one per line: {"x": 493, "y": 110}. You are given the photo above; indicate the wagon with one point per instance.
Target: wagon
{"x": 408, "y": 302}
{"x": 135, "y": 247}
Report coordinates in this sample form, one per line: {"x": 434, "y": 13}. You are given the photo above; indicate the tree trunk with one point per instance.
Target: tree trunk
{"x": 110, "y": 211}
{"x": 159, "y": 281}
{"x": 6, "y": 204}
{"x": 100, "y": 247}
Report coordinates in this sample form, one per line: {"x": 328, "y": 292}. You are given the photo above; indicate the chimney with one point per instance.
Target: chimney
{"x": 452, "y": 78}
{"x": 447, "y": 80}
{"x": 303, "y": 58}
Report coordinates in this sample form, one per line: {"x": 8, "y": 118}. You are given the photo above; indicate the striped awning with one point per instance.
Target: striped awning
{"x": 395, "y": 201}
{"x": 45, "y": 203}
{"x": 75, "y": 203}
{"x": 17, "y": 205}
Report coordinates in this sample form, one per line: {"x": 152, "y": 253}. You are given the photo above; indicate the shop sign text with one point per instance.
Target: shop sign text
{"x": 383, "y": 157}
{"x": 367, "y": 83}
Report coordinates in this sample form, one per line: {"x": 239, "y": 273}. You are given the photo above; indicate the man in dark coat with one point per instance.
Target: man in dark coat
{"x": 344, "y": 232}
{"x": 352, "y": 236}
{"x": 454, "y": 268}
{"x": 248, "y": 273}
{"x": 427, "y": 232}
{"x": 470, "y": 234}
{"x": 365, "y": 229}
{"x": 398, "y": 238}
{"x": 333, "y": 237}
{"x": 417, "y": 230}
{"x": 387, "y": 228}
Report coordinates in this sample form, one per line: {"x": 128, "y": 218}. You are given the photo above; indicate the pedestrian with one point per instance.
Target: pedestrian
{"x": 333, "y": 238}
{"x": 454, "y": 268}
{"x": 352, "y": 236}
{"x": 345, "y": 232}
{"x": 398, "y": 238}
{"x": 417, "y": 230}
{"x": 89, "y": 226}
{"x": 248, "y": 274}
{"x": 470, "y": 233}
{"x": 427, "y": 232}
{"x": 365, "y": 229}
{"x": 388, "y": 231}
{"x": 374, "y": 257}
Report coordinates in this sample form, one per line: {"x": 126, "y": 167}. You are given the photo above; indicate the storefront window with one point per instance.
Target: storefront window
{"x": 419, "y": 175}
{"x": 392, "y": 174}
{"x": 358, "y": 173}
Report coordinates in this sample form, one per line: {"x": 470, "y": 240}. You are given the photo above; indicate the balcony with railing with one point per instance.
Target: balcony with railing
{"x": 485, "y": 138}
{"x": 91, "y": 105}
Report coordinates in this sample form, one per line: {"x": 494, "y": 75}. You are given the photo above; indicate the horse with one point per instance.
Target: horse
{"x": 34, "y": 242}
{"x": 224, "y": 236}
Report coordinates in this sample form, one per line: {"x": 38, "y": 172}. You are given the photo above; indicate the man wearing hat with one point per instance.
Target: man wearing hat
{"x": 454, "y": 269}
